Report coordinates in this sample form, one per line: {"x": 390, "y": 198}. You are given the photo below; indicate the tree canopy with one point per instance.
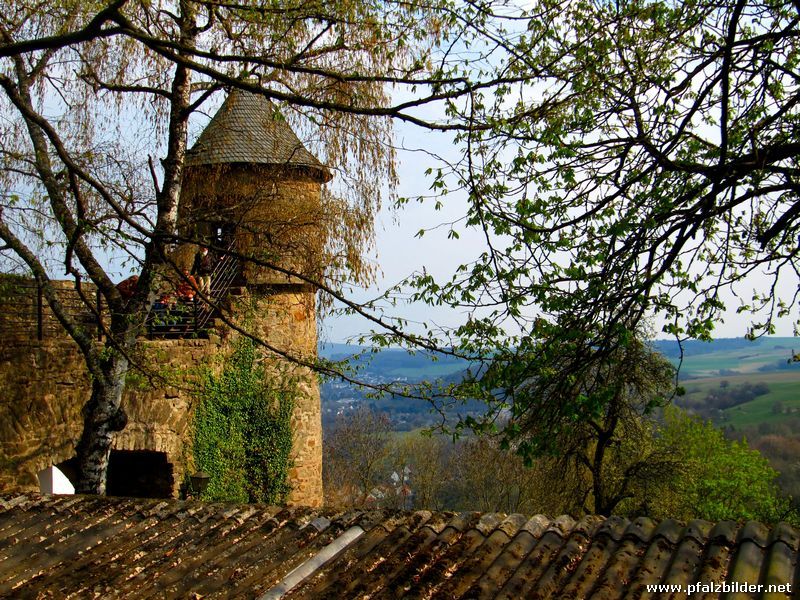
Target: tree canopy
{"x": 647, "y": 161}
{"x": 608, "y": 446}
{"x": 632, "y": 162}
{"x": 719, "y": 479}
{"x": 639, "y": 164}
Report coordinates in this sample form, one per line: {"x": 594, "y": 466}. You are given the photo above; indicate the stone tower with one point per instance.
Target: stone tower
{"x": 252, "y": 187}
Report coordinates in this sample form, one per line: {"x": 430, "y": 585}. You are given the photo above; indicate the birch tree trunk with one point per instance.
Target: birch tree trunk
{"x": 102, "y": 417}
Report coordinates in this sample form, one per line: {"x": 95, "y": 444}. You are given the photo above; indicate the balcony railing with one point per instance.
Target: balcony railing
{"x": 24, "y": 311}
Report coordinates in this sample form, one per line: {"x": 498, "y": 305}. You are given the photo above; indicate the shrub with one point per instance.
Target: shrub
{"x": 242, "y": 430}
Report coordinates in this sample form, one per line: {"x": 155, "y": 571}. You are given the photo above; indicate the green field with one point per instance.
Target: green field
{"x": 784, "y": 387}
{"x": 768, "y": 351}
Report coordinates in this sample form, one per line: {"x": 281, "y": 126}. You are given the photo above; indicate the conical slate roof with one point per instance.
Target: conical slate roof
{"x": 248, "y": 129}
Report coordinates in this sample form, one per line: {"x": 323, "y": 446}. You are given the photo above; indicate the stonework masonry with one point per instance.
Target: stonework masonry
{"x": 44, "y": 384}
{"x": 287, "y": 321}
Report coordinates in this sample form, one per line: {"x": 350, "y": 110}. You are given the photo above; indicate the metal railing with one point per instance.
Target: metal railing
{"x": 192, "y": 317}
{"x": 222, "y": 277}
{"x": 25, "y": 311}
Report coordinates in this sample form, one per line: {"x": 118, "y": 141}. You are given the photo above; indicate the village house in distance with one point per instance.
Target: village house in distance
{"x": 250, "y": 186}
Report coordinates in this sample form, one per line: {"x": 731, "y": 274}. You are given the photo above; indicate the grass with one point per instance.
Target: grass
{"x": 742, "y": 360}
{"x": 760, "y": 410}
{"x": 784, "y": 387}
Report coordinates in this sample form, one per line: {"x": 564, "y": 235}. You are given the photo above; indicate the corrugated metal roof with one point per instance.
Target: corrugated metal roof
{"x": 84, "y": 547}
{"x": 247, "y": 128}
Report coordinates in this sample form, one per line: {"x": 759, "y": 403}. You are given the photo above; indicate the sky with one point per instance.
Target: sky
{"x": 400, "y": 252}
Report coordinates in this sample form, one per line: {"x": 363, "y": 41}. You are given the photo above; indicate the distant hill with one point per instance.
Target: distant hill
{"x": 394, "y": 364}
{"x": 730, "y": 356}
{"x": 721, "y": 357}
{"x": 337, "y": 351}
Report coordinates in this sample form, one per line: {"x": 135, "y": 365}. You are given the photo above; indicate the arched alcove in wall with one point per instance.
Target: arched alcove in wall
{"x": 134, "y": 473}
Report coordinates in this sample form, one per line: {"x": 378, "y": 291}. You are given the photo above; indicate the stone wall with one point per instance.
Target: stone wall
{"x": 42, "y": 387}
{"x": 44, "y": 384}
{"x": 286, "y": 322}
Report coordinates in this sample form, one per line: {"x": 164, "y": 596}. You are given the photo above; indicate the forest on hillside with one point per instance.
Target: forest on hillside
{"x": 680, "y": 468}
{"x": 755, "y": 414}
